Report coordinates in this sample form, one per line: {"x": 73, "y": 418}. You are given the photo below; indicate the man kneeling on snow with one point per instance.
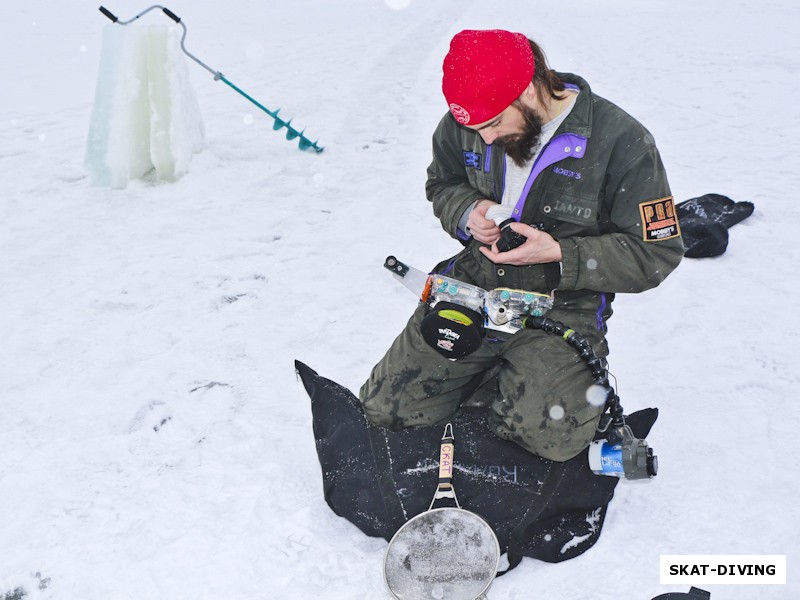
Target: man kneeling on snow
{"x": 584, "y": 185}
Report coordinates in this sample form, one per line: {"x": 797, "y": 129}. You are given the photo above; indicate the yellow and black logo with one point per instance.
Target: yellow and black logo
{"x": 659, "y": 221}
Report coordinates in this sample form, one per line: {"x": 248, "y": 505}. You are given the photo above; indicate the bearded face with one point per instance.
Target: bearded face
{"x": 520, "y": 146}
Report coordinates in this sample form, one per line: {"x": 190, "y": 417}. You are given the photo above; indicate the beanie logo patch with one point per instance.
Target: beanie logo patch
{"x": 460, "y": 113}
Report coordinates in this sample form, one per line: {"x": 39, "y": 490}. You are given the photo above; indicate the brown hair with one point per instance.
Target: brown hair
{"x": 544, "y": 78}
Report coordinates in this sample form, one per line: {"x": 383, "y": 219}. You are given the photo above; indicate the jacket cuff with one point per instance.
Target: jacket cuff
{"x": 452, "y": 220}
{"x": 462, "y": 222}
{"x": 570, "y": 265}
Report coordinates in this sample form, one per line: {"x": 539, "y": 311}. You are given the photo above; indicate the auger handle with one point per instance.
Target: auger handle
{"x": 109, "y": 14}
{"x": 171, "y": 15}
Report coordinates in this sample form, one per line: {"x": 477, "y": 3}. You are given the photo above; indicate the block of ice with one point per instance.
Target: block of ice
{"x": 145, "y": 116}
{"x": 176, "y": 127}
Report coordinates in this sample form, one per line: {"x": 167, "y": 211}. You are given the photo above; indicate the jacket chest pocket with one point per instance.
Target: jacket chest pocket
{"x": 569, "y": 214}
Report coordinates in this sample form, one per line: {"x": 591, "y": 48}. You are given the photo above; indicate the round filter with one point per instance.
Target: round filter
{"x": 444, "y": 553}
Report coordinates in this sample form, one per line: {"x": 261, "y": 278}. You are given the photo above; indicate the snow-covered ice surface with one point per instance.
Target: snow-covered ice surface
{"x": 154, "y": 442}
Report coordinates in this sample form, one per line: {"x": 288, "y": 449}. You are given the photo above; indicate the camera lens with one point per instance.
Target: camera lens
{"x": 509, "y": 239}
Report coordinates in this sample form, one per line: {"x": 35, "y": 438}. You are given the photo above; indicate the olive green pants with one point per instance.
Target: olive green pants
{"x": 534, "y": 384}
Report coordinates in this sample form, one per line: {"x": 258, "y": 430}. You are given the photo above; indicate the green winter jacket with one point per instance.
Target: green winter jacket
{"x": 598, "y": 187}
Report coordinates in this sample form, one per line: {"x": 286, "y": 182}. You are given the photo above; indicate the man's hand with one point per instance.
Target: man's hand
{"x": 482, "y": 229}
{"x": 539, "y": 248}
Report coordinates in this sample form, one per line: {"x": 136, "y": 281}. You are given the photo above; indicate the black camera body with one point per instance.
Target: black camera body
{"x": 509, "y": 239}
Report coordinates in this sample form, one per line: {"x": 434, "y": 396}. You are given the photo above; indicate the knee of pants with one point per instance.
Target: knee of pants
{"x": 376, "y": 409}
{"x": 558, "y": 444}
{"x": 543, "y": 405}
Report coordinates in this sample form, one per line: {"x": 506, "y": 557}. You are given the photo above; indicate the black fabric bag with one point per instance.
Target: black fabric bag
{"x": 705, "y": 221}
{"x": 378, "y": 479}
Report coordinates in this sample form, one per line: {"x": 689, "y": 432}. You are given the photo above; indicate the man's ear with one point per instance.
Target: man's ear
{"x": 529, "y": 93}
{"x": 529, "y": 96}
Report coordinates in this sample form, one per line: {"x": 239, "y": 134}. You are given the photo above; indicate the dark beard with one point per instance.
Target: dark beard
{"x": 519, "y": 146}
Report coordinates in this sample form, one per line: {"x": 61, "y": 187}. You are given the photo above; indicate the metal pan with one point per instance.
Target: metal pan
{"x": 443, "y": 553}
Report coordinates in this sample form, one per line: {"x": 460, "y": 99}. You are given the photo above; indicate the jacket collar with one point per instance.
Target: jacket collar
{"x": 579, "y": 119}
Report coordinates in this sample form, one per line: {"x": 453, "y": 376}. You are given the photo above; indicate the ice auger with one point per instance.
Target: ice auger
{"x": 291, "y": 133}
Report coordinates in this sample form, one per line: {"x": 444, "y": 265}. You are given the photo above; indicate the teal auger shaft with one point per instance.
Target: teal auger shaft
{"x": 291, "y": 132}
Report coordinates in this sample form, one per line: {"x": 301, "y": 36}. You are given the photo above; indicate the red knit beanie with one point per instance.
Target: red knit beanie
{"x": 484, "y": 72}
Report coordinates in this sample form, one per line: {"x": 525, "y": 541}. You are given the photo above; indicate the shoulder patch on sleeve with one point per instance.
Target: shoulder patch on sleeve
{"x": 472, "y": 159}
{"x": 659, "y": 221}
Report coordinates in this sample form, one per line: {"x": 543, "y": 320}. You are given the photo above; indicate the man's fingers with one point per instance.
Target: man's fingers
{"x": 484, "y": 238}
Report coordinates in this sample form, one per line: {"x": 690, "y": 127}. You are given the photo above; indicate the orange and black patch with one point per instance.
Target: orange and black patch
{"x": 659, "y": 221}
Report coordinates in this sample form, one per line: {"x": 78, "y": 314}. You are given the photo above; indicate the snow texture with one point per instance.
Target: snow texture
{"x": 154, "y": 442}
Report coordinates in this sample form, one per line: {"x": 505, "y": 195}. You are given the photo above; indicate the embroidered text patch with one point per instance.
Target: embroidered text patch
{"x": 472, "y": 159}
{"x": 659, "y": 221}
